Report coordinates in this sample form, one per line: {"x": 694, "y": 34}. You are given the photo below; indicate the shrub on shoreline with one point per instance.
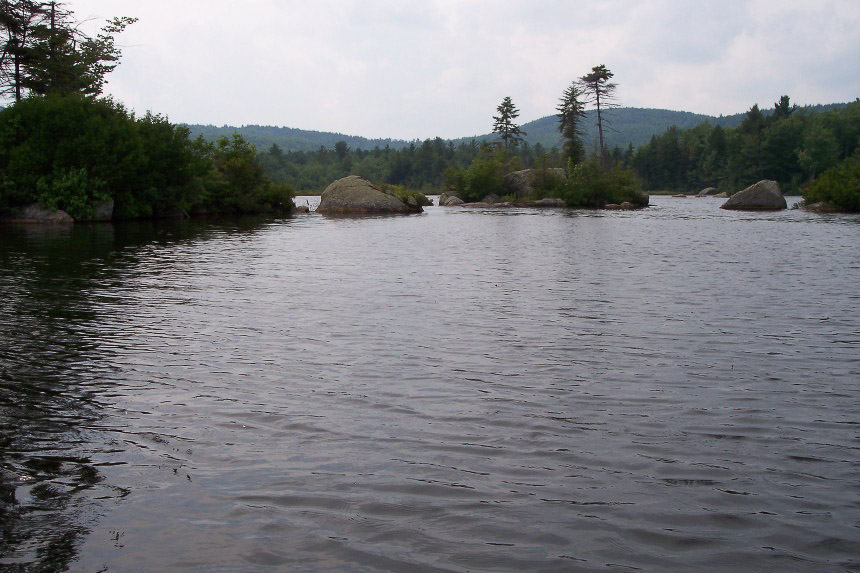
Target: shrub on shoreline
{"x": 838, "y": 187}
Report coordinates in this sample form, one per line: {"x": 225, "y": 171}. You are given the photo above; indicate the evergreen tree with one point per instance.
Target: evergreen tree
{"x": 571, "y": 110}
{"x": 601, "y": 93}
{"x": 44, "y": 51}
{"x": 782, "y": 109}
{"x": 18, "y": 20}
{"x": 504, "y": 125}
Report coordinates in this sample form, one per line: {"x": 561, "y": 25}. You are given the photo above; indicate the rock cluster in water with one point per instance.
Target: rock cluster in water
{"x": 356, "y": 195}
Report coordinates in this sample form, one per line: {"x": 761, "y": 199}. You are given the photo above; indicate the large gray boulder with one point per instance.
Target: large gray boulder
{"x": 36, "y": 214}
{"x": 356, "y": 195}
{"x": 521, "y": 183}
{"x": 763, "y": 196}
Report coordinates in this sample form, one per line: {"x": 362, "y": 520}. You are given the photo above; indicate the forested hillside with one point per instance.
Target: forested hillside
{"x": 790, "y": 145}
{"x": 627, "y": 125}
{"x": 311, "y": 160}
{"x": 290, "y": 139}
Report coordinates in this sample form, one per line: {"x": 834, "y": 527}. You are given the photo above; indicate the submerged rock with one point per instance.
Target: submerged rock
{"x": 763, "y": 196}
{"x": 354, "y": 194}
{"x": 625, "y": 206}
{"x": 548, "y": 202}
{"x": 708, "y": 192}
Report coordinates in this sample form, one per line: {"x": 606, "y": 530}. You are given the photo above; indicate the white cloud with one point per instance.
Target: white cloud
{"x": 417, "y": 69}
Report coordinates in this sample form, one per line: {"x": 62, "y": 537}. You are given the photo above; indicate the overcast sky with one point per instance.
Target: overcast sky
{"x": 417, "y": 69}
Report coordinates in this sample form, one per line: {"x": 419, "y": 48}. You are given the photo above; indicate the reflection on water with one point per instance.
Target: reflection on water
{"x": 54, "y": 379}
{"x": 669, "y": 389}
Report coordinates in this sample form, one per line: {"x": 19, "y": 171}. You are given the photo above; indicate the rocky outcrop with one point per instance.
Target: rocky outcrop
{"x": 452, "y": 202}
{"x": 36, "y": 214}
{"x": 763, "y": 196}
{"x": 521, "y": 183}
{"x": 491, "y": 198}
{"x": 708, "y": 192}
{"x": 355, "y": 195}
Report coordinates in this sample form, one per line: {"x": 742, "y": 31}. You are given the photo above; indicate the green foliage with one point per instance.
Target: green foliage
{"x": 546, "y": 183}
{"x": 73, "y": 191}
{"x": 73, "y": 153}
{"x": 791, "y": 146}
{"x": 417, "y": 166}
{"x": 591, "y": 186}
{"x": 484, "y": 176}
{"x": 839, "y": 186}
{"x": 44, "y": 51}
{"x": 503, "y": 124}
{"x": 571, "y": 112}
{"x": 599, "y": 91}
{"x": 404, "y": 194}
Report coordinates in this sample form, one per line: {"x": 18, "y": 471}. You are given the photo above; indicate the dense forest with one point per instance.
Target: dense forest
{"x": 789, "y": 145}
{"x": 417, "y": 166}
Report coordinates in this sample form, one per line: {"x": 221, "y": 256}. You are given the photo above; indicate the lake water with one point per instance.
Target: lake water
{"x": 673, "y": 389}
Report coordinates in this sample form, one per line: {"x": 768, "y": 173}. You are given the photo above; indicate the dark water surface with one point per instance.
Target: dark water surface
{"x": 674, "y": 389}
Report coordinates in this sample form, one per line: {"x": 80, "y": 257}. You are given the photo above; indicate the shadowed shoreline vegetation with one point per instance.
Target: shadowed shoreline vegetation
{"x": 73, "y": 153}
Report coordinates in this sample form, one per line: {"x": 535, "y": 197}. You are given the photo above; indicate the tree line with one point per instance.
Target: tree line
{"x": 435, "y": 163}
{"x": 419, "y": 166}
{"x": 790, "y": 145}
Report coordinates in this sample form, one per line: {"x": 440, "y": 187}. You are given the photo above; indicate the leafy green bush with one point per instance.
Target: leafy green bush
{"x": 484, "y": 176}
{"x": 404, "y": 194}
{"x": 74, "y": 191}
{"x": 839, "y": 186}
{"x": 547, "y": 183}
{"x": 589, "y": 185}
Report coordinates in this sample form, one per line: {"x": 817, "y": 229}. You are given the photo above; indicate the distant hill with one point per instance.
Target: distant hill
{"x": 623, "y": 126}
{"x": 291, "y": 139}
{"x": 627, "y": 125}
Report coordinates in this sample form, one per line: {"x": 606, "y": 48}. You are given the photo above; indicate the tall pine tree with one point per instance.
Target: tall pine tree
{"x": 601, "y": 92}
{"x": 571, "y": 111}
{"x": 504, "y": 125}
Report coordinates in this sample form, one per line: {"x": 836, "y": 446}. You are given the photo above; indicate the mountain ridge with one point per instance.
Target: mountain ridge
{"x": 626, "y": 126}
